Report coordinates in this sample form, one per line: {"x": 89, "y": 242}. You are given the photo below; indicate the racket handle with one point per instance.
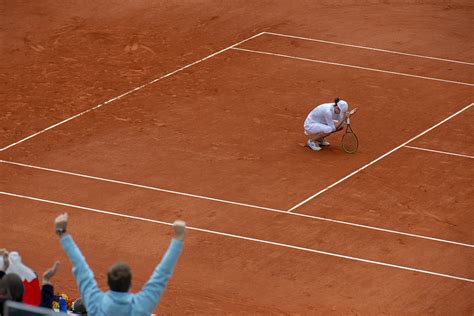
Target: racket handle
{"x": 348, "y": 121}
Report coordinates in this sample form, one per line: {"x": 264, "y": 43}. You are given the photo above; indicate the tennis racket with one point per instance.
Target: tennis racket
{"x": 350, "y": 142}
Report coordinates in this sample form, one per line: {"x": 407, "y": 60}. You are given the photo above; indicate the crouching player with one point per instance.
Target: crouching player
{"x": 324, "y": 120}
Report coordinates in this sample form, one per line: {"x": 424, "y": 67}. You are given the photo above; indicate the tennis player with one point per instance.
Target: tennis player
{"x": 323, "y": 120}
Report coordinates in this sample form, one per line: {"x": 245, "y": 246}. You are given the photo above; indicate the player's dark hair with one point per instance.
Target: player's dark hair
{"x": 336, "y": 100}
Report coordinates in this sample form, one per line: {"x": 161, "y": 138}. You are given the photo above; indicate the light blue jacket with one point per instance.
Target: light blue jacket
{"x": 115, "y": 303}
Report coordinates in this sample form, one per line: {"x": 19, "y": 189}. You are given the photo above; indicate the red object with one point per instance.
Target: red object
{"x": 32, "y": 294}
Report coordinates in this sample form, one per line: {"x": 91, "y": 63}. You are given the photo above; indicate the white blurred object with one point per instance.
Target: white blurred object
{"x": 16, "y": 266}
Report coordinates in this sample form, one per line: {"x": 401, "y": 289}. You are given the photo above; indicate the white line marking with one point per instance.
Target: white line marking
{"x": 379, "y": 158}
{"x": 240, "y": 204}
{"x": 128, "y": 92}
{"x": 440, "y": 152}
{"x": 370, "y": 48}
{"x": 352, "y": 66}
{"x": 139, "y": 186}
{"x": 243, "y": 237}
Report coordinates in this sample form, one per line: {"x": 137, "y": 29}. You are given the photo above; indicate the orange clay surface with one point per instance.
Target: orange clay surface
{"x": 229, "y": 129}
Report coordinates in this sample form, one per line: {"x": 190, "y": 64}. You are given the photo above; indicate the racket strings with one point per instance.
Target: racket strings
{"x": 350, "y": 143}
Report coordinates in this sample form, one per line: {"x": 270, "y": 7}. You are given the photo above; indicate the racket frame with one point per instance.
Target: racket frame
{"x": 349, "y": 131}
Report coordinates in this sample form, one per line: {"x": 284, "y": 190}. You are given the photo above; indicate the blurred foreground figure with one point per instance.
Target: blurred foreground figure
{"x": 118, "y": 301}
{"x": 14, "y": 265}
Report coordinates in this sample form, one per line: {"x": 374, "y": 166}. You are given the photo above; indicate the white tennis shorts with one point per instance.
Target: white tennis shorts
{"x": 314, "y": 128}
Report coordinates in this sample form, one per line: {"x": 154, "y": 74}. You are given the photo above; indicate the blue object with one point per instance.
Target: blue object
{"x": 112, "y": 303}
{"x": 62, "y": 304}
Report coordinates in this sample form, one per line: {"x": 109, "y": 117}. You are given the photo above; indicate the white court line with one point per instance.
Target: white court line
{"x": 440, "y": 152}
{"x": 244, "y": 238}
{"x": 352, "y": 66}
{"x": 371, "y": 48}
{"x": 240, "y": 204}
{"x": 140, "y": 186}
{"x": 379, "y": 158}
{"x": 128, "y": 92}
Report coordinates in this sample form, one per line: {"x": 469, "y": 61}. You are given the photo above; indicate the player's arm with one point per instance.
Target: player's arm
{"x": 352, "y": 112}
{"x": 340, "y": 124}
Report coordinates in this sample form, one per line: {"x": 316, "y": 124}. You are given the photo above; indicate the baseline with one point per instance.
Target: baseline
{"x": 128, "y": 92}
{"x": 237, "y": 203}
{"x": 379, "y": 158}
{"x": 353, "y": 66}
{"x": 370, "y": 48}
{"x": 246, "y": 238}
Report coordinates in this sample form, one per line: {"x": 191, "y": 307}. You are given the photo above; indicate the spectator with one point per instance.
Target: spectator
{"x": 5, "y": 263}
{"x": 78, "y": 307}
{"x": 47, "y": 289}
{"x": 11, "y": 288}
{"x": 118, "y": 301}
{"x": 32, "y": 295}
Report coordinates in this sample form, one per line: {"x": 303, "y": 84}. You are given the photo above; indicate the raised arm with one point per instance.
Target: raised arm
{"x": 83, "y": 274}
{"x": 47, "y": 289}
{"x": 353, "y": 111}
{"x": 340, "y": 124}
{"x": 153, "y": 289}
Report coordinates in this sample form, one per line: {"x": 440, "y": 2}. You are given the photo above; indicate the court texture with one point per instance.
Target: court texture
{"x": 131, "y": 114}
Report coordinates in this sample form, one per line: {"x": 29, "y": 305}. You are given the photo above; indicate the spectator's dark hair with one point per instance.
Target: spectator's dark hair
{"x": 78, "y": 307}
{"x": 15, "y": 286}
{"x": 119, "y": 277}
{"x": 11, "y": 288}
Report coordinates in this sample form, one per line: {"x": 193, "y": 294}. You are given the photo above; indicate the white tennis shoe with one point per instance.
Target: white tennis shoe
{"x": 313, "y": 145}
{"x": 323, "y": 142}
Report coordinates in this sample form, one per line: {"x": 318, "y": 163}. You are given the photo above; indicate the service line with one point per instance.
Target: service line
{"x": 268, "y": 242}
{"x": 147, "y": 187}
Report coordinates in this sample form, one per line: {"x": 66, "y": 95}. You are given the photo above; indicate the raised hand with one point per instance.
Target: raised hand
{"x": 179, "y": 227}
{"x": 60, "y": 223}
{"x": 51, "y": 272}
{"x": 353, "y": 111}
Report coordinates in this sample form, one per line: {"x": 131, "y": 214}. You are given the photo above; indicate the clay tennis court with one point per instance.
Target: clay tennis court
{"x": 129, "y": 115}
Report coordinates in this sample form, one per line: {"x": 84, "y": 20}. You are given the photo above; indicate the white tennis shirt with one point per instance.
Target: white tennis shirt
{"x": 323, "y": 114}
